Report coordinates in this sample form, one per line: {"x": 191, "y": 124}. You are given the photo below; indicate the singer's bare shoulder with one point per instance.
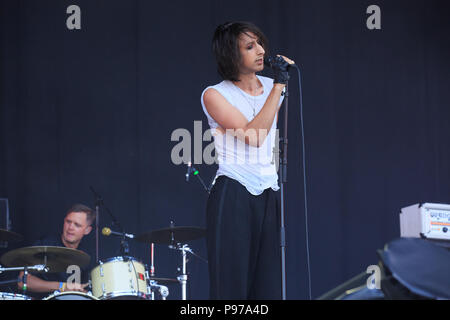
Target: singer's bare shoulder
{"x": 223, "y": 112}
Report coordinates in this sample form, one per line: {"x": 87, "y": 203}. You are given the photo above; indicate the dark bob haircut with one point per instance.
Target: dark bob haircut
{"x": 225, "y": 47}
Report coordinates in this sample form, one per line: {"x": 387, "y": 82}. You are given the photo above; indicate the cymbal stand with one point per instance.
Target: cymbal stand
{"x": 38, "y": 267}
{"x": 183, "y": 277}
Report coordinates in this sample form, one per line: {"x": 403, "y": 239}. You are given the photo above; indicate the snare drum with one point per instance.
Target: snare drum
{"x": 13, "y": 296}
{"x": 119, "y": 278}
{"x": 70, "y": 295}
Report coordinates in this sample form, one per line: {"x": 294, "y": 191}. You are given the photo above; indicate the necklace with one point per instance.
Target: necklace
{"x": 253, "y": 106}
{"x": 251, "y": 103}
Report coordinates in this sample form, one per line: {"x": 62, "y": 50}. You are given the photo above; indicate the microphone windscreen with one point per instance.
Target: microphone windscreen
{"x": 268, "y": 61}
{"x": 106, "y": 231}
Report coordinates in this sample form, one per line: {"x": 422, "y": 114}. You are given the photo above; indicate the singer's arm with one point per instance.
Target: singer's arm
{"x": 228, "y": 117}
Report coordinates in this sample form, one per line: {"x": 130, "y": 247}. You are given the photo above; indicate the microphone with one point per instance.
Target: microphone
{"x": 268, "y": 61}
{"x": 107, "y": 232}
{"x": 188, "y": 173}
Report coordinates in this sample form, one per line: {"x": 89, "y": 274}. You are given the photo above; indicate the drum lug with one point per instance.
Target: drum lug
{"x": 103, "y": 288}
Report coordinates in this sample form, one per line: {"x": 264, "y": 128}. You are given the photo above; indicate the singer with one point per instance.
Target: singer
{"x": 242, "y": 220}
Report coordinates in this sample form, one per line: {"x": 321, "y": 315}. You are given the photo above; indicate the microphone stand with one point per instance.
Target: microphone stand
{"x": 196, "y": 173}
{"x": 124, "y": 247}
{"x": 283, "y": 180}
{"x": 98, "y": 203}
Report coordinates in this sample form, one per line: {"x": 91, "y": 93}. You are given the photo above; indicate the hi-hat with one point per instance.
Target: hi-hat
{"x": 172, "y": 235}
{"x": 6, "y": 235}
{"x": 57, "y": 259}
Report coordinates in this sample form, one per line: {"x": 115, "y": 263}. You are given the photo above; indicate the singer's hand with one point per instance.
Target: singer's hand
{"x": 287, "y": 59}
{"x": 280, "y": 65}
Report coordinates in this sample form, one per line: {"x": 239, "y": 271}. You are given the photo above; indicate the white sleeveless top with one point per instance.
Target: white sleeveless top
{"x": 255, "y": 168}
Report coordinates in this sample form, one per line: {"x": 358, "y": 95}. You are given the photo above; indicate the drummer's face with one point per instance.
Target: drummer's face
{"x": 75, "y": 228}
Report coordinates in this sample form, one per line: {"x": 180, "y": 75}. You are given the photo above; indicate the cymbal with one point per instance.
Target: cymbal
{"x": 172, "y": 235}
{"x": 6, "y": 235}
{"x": 164, "y": 281}
{"x": 57, "y": 259}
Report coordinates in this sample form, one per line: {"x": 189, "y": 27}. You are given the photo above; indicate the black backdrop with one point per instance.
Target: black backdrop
{"x": 97, "y": 106}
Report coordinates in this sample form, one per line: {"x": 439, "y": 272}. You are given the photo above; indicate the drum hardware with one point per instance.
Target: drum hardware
{"x": 174, "y": 236}
{"x": 183, "y": 277}
{"x": 152, "y": 260}
{"x": 38, "y": 267}
{"x": 13, "y": 296}
{"x": 100, "y": 203}
{"x": 162, "y": 290}
{"x": 25, "y": 269}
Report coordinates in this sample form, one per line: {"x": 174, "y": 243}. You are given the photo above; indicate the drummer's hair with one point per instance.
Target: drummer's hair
{"x": 78, "y": 207}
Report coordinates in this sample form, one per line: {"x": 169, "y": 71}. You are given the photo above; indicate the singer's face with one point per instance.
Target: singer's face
{"x": 252, "y": 53}
{"x": 75, "y": 228}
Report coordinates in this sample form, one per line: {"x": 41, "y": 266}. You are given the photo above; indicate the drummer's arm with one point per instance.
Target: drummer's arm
{"x": 36, "y": 284}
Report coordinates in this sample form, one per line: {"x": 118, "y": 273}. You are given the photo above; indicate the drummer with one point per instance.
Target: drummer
{"x": 77, "y": 224}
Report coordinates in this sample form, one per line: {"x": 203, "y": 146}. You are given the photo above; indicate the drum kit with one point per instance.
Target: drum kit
{"x": 117, "y": 278}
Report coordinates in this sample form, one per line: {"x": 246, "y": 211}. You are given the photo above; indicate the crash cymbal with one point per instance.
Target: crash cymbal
{"x": 6, "y": 235}
{"x": 172, "y": 235}
{"x": 164, "y": 281}
{"x": 57, "y": 259}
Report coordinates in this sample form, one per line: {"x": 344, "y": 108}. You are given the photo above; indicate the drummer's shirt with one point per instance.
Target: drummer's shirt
{"x": 55, "y": 240}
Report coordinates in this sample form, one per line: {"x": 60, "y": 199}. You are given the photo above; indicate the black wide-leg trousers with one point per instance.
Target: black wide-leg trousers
{"x": 243, "y": 242}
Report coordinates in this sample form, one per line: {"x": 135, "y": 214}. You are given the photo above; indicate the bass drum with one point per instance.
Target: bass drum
{"x": 70, "y": 295}
{"x": 13, "y": 296}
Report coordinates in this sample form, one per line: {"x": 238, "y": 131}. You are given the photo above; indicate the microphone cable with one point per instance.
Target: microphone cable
{"x": 304, "y": 180}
